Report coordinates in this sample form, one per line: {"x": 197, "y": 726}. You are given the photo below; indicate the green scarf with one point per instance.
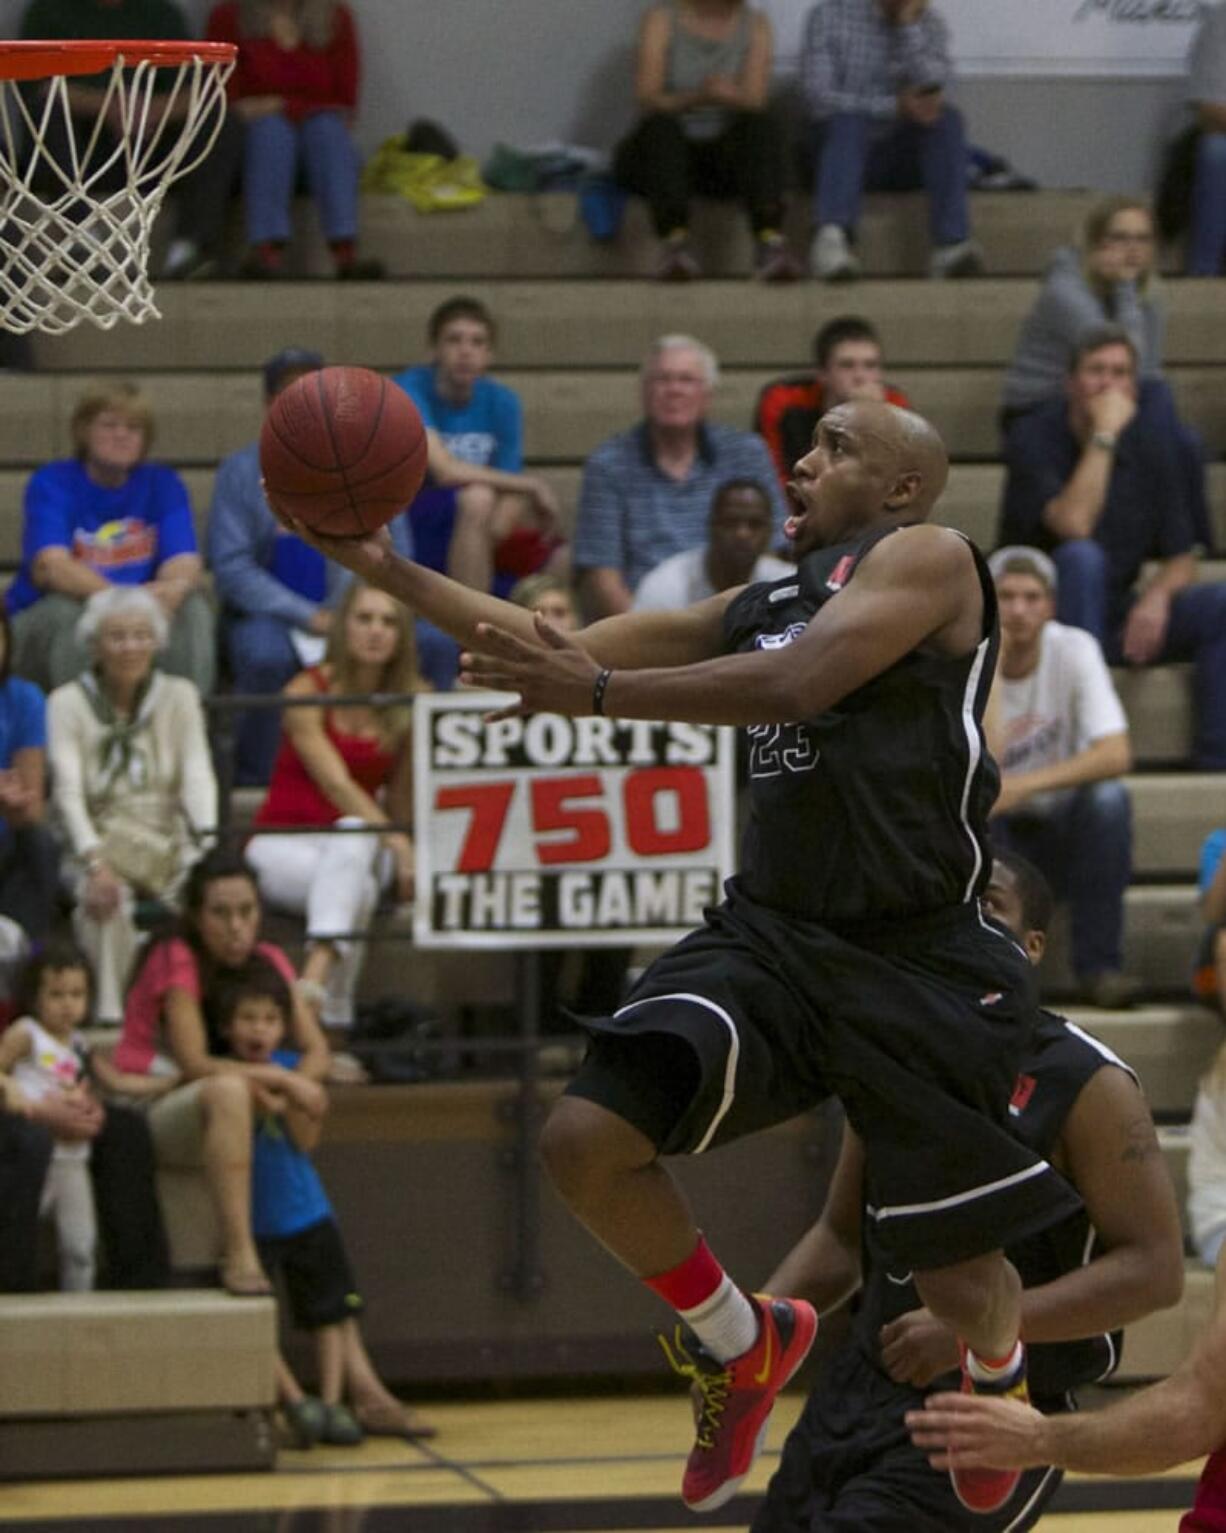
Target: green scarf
{"x": 118, "y": 755}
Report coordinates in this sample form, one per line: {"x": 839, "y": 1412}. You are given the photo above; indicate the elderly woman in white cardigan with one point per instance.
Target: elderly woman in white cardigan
{"x": 132, "y": 780}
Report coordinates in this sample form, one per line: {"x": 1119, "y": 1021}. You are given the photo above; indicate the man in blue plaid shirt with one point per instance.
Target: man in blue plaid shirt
{"x": 874, "y": 74}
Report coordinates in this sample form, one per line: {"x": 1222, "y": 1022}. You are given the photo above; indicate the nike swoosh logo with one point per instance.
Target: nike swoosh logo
{"x": 761, "y": 1378}
{"x": 900, "y": 1282}
{"x": 784, "y": 593}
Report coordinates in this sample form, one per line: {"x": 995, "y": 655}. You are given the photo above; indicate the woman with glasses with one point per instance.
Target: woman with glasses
{"x": 134, "y": 790}
{"x": 1107, "y": 279}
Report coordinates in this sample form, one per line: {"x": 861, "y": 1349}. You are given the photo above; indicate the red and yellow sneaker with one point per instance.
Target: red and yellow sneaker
{"x": 987, "y": 1490}
{"x": 733, "y": 1400}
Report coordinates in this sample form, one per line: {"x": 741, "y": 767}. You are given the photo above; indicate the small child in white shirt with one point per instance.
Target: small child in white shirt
{"x": 42, "y": 1051}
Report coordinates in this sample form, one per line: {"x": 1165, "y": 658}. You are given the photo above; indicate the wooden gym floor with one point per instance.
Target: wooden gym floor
{"x": 605, "y": 1465}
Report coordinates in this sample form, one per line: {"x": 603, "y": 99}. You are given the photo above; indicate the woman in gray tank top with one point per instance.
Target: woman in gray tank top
{"x": 702, "y": 82}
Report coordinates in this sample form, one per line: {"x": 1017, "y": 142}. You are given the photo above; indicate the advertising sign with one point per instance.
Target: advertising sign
{"x": 554, "y": 832}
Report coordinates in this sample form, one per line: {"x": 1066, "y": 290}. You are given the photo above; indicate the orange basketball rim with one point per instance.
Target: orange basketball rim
{"x": 79, "y": 193}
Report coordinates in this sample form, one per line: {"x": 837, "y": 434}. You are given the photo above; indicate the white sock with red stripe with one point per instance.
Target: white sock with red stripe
{"x": 727, "y": 1324}
{"x": 995, "y": 1371}
{"x": 709, "y": 1302}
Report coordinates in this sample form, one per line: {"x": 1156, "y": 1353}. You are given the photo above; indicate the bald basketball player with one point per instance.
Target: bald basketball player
{"x": 850, "y": 957}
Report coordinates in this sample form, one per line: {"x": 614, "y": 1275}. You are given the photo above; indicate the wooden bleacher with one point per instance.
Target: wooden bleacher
{"x": 114, "y": 1383}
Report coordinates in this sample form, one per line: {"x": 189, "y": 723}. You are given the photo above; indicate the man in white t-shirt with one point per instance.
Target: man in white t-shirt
{"x": 738, "y": 532}
{"x": 1059, "y": 734}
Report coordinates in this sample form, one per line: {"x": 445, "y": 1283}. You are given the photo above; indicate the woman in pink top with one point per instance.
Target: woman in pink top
{"x": 207, "y": 1120}
{"x": 1172, "y": 1422}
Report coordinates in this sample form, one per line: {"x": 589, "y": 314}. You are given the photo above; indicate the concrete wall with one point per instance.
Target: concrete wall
{"x": 530, "y": 71}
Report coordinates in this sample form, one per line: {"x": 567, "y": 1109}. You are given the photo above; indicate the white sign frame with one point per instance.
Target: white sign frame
{"x": 1041, "y": 38}
{"x": 430, "y": 834}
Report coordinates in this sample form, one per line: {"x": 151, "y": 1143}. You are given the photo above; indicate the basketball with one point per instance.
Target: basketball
{"x": 342, "y": 450}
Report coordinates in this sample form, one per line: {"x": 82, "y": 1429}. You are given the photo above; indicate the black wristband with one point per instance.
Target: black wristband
{"x": 599, "y": 687}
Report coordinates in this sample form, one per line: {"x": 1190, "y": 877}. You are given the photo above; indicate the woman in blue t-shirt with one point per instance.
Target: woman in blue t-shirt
{"x": 29, "y": 857}
{"x": 107, "y": 516}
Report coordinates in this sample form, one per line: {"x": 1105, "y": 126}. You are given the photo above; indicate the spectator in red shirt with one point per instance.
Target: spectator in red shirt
{"x": 849, "y": 361}
{"x": 295, "y": 88}
{"x": 348, "y": 767}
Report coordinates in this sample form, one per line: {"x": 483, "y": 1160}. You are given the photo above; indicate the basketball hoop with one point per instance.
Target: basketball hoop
{"x": 74, "y": 234}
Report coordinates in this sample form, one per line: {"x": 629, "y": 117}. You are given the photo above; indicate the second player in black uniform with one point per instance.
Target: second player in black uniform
{"x": 849, "y": 1465}
{"x": 851, "y": 956}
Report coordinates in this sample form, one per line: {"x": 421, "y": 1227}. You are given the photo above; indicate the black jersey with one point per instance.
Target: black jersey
{"x": 878, "y": 807}
{"x": 1060, "y": 1061}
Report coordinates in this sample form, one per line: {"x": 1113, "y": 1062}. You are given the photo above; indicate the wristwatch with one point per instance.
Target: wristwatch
{"x": 1105, "y": 439}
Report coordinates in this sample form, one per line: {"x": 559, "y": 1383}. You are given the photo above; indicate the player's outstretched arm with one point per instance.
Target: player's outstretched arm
{"x": 1180, "y": 1419}
{"x": 918, "y": 586}
{"x": 628, "y": 641}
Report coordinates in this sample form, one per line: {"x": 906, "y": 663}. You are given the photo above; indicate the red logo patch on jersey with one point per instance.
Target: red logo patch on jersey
{"x": 841, "y": 573}
{"x": 1022, "y": 1092}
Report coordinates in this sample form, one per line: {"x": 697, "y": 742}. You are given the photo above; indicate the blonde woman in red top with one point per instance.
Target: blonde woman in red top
{"x": 295, "y": 89}
{"x": 350, "y": 767}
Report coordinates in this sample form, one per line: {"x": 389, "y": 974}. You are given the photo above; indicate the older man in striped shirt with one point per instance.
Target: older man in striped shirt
{"x": 647, "y": 491}
{"x": 874, "y": 74}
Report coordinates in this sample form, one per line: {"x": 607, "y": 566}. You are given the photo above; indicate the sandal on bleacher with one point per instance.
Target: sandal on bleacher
{"x": 347, "y": 1069}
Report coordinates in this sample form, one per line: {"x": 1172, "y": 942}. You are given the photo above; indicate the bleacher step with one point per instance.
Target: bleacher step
{"x": 567, "y": 411}
{"x": 1172, "y": 813}
{"x": 542, "y": 235}
{"x": 1169, "y": 1046}
{"x": 1173, "y": 1140}
{"x": 587, "y": 324}
{"x": 73, "y": 1354}
{"x": 1157, "y": 1345}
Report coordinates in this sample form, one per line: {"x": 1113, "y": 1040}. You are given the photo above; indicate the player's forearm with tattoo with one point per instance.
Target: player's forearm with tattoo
{"x": 1114, "y": 1160}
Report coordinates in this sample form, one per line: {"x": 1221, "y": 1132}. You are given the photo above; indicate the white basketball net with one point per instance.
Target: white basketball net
{"x": 70, "y": 250}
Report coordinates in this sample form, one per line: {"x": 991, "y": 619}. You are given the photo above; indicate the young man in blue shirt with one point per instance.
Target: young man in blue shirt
{"x": 480, "y": 518}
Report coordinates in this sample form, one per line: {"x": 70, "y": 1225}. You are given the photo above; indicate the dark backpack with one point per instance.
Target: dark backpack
{"x": 387, "y": 1037}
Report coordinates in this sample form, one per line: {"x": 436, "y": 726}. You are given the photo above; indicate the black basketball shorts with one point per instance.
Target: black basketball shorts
{"x": 918, "y": 1028}
{"x": 318, "y": 1279}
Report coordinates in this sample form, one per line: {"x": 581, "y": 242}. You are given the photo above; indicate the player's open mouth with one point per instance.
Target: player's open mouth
{"x": 796, "y": 500}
